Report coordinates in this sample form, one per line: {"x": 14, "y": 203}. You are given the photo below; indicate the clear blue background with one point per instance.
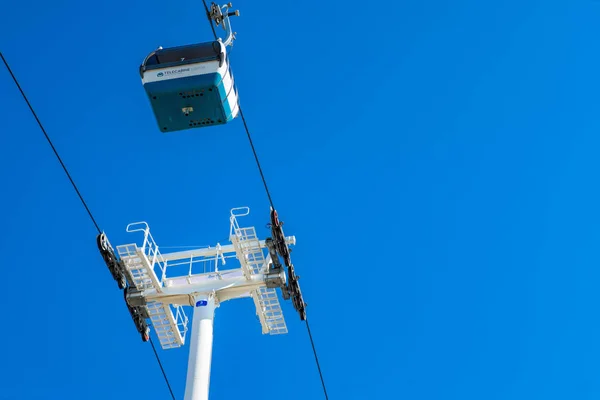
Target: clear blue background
{"x": 436, "y": 160}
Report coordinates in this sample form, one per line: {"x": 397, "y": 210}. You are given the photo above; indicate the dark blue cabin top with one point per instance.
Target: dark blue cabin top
{"x": 181, "y": 55}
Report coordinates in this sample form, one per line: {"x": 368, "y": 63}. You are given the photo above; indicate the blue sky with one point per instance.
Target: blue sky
{"x": 436, "y": 160}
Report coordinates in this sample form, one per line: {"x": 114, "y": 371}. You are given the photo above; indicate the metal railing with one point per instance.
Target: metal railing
{"x": 150, "y": 249}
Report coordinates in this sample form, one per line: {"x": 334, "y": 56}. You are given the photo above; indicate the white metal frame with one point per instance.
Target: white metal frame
{"x": 170, "y": 281}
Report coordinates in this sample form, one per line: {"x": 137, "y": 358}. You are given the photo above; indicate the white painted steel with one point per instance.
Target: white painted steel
{"x": 249, "y": 252}
{"x": 180, "y": 288}
{"x": 169, "y": 327}
{"x": 198, "y": 374}
{"x": 227, "y": 26}
{"x": 214, "y": 251}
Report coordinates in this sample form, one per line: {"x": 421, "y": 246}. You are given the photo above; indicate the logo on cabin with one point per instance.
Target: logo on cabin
{"x": 172, "y": 72}
{"x": 177, "y": 71}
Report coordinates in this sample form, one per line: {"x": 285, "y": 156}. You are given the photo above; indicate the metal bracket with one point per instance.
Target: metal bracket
{"x": 278, "y": 246}
{"x": 273, "y": 253}
{"x": 275, "y": 278}
{"x": 115, "y": 266}
{"x": 220, "y": 15}
{"x": 135, "y": 297}
{"x": 216, "y": 13}
{"x": 279, "y": 238}
{"x": 138, "y": 315}
{"x": 296, "y": 293}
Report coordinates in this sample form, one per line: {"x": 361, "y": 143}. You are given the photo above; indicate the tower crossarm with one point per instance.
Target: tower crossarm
{"x": 161, "y": 284}
{"x": 227, "y": 285}
{"x": 214, "y": 251}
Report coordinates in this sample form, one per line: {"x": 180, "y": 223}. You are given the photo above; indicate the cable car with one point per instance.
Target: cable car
{"x": 192, "y": 86}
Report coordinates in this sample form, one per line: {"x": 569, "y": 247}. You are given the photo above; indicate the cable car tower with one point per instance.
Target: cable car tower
{"x": 158, "y": 286}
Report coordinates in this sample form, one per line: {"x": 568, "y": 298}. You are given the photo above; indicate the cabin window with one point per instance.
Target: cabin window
{"x": 185, "y": 53}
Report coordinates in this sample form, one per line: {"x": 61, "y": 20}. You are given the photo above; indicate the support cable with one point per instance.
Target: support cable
{"x": 256, "y": 158}
{"x": 74, "y": 187}
{"x": 161, "y": 368}
{"x": 312, "y": 343}
{"x": 50, "y": 143}
{"x": 262, "y": 175}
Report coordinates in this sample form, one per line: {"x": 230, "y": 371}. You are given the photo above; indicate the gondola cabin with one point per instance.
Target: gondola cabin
{"x": 190, "y": 86}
